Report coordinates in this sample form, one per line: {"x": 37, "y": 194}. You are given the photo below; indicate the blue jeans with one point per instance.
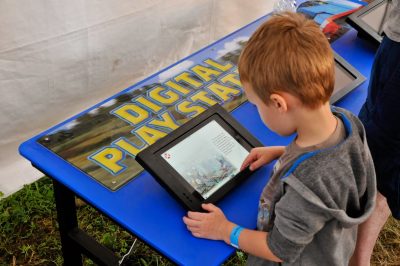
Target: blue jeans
{"x": 380, "y": 115}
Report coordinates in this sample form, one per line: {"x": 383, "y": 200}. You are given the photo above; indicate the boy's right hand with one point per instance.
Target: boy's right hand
{"x": 261, "y": 155}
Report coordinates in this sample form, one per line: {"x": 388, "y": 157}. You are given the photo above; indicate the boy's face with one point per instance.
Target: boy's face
{"x": 271, "y": 115}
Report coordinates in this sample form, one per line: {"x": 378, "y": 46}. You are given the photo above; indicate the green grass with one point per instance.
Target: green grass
{"x": 29, "y": 233}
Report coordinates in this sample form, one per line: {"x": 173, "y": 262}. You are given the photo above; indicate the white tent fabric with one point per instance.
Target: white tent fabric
{"x": 58, "y": 58}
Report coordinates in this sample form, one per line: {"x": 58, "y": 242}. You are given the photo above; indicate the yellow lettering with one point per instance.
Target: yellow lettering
{"x": 222, "y": 91}
{"x": 163, "y": 95}
{"x": 177, "y": 87}
{"x": 231, "y": 78}
{"x": 189, "y": 108}
{"x": 218, "y": 65}
{"x": 167, "y": 121}
{"x": 128, "y": 146}
{"x": 149, "y": 135}
{"x": 205, "y": 72}
{"x": 131, "y": 113}
{"x": 185, "y": 76}
{"x": 110, "y": 158}
{"x": 152, "y": 106}
{"x": 202, "y": 97}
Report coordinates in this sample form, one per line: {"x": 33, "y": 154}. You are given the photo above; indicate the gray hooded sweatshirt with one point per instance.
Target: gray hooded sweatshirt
{"x": 324, "y": 194}
{"x": 392, "y": 27}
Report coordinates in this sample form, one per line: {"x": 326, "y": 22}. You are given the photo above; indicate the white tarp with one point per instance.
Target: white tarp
{"x": 58, "y": 58}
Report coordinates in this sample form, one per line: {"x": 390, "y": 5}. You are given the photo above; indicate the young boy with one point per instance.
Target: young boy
{"x": 323, "y": 184}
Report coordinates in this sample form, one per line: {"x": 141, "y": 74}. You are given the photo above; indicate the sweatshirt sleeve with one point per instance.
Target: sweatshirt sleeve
{"x": 296, "y": 223}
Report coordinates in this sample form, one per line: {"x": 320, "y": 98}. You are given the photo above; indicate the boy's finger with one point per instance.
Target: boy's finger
{"x": 196, "y": 234}
{"x": 250, "y": 158}
{"x": 191, "y": 222}
{"x": 196, "y": 215}
{"x": 193, "y": 229}
{"x": 256, "y": 164}
{"x": 209, "y": 207}
{"x": 243, "y": 166}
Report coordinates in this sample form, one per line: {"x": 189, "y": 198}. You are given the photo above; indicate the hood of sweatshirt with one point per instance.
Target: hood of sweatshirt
{"x": 340, "y": 180}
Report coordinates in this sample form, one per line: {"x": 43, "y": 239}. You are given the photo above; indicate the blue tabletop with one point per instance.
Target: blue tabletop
{"x": 145, "y": 209}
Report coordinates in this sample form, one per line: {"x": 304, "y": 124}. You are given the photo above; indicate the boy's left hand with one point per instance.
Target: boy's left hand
{"x": 210, "y": 225}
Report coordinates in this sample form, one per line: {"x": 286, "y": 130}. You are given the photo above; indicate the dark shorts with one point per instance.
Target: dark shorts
{"x": 380, "y": 115}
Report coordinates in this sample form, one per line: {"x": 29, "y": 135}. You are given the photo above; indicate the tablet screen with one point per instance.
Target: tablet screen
{"x": 207, "y": 159}
{"x": 375, "y": 17}
{"x": 343, "y": 78}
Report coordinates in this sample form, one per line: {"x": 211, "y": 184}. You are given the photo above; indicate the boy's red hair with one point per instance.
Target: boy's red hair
{"x": 289, "y": 53}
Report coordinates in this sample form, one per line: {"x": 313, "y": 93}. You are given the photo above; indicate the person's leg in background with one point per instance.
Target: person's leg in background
{"x": 380, "y": 115}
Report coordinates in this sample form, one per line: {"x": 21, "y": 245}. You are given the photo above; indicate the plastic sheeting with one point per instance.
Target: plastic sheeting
{"x": 58, "y": 58}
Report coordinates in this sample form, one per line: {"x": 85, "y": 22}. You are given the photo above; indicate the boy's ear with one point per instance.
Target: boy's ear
{"x": 279, "y": 102}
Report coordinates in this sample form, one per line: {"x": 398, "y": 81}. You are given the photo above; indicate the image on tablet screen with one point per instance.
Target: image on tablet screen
{"x": 207, "y": 159}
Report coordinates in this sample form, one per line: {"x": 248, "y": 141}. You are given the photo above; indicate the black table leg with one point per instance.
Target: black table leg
{"x": 74, "y": 241}
{"x": 67, "y": 221}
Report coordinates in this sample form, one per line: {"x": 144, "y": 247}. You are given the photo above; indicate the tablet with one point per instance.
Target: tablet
{"x": 347, "y": 78}
{"x": 200, "y": 161}
{"x": 370, "y": 19}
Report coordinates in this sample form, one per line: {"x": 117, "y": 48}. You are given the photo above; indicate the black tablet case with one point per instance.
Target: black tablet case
{"x": 177, "y": 186}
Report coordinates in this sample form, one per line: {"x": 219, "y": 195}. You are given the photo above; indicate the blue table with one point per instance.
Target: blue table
{"x": 146, "y": 210}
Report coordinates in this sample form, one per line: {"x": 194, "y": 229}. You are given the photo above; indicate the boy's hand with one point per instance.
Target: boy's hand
{"x": 210, "y": 225}
{"x": 261, "y": 155}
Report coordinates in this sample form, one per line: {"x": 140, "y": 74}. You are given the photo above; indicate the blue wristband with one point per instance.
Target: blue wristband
{"x": 234, "y": 237}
